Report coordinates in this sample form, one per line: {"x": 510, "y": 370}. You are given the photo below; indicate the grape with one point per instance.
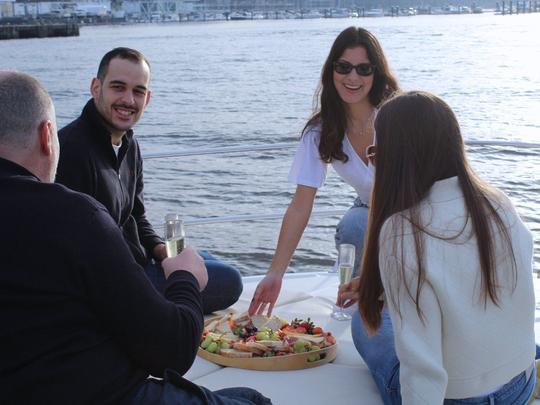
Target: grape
{"x": 301, "y": 346}
{"x": 225, "y": 345}
{"x": 315, "y": 347}
{"x": 313, "y": 357}
{"x": 212, "y": 348}
{"x": 262, "y": 336}
{"x": 206, "y": 342}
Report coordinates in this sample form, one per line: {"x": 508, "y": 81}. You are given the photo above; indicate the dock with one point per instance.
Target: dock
{"x": 37, "y": 30}
{"x": 518, "y": 7}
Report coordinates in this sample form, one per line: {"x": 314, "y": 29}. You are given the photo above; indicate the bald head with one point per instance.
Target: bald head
{"x": 27, "y": 124}
{"x": 24, "y": 104}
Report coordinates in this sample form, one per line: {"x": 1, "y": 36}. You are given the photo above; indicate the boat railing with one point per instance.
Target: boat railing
{"x": 289, "y": 145}
{"x": 257, "y": 217}
{"x": 218, "y": 150}
{"x": 317, "y": 212}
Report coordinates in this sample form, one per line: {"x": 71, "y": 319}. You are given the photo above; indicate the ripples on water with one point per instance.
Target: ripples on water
{"x": 248, "y": 82}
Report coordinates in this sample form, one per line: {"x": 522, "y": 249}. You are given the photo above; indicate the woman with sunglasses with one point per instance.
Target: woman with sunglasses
{"x": 445, "y": 293}
{"x": 355, "y": 79}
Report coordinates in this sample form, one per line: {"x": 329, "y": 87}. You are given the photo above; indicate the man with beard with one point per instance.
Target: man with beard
{"x": 100, "y": 157}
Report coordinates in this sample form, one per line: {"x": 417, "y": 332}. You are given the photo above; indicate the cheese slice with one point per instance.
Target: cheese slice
{"x": 261, "y": 321}
{"x": 235, "y": 353}
{"x": 309, "y": 338}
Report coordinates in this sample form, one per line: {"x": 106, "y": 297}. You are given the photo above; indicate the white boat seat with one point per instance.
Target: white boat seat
{"x": 344, "y": 381}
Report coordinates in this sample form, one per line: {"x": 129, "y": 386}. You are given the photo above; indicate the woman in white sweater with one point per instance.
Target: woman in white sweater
{"x": 445, "y": 294}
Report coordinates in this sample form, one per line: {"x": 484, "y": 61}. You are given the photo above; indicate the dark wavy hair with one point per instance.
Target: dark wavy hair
{"x": 331, "y": 113}
{"x": 130, "y": 54}
{"x": 419, "y": 142}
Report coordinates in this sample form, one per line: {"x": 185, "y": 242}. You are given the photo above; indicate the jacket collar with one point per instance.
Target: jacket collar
{"x": 12, "y": 169}
{"x": 94, "y": 119}
{"x": 91, "y": 115}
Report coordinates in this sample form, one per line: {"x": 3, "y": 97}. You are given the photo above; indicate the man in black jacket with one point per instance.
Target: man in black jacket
{"x": 81, "y": 324}
{"x": 100, "y": 157}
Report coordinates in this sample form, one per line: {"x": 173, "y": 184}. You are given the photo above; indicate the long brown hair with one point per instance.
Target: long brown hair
{"x": 331, "y": 113}
{"x": 419, "y": 142}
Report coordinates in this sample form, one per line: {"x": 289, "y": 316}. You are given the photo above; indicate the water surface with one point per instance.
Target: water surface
{"x": 249, "y": 82}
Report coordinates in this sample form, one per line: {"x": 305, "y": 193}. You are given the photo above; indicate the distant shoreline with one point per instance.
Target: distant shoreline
{"x": 38, "y": 30}
{"x": 121, "y": 17}
{"x": 67, "y": 23}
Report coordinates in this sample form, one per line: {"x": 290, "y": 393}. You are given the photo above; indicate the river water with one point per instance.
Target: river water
{"x": 251, "y": 82}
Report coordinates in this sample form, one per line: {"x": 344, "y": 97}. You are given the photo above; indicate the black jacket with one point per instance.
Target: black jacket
{"x": 80, "y": 322}
{"x": 88, "y": 164}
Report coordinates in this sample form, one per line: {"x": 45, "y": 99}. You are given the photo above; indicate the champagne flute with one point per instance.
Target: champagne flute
{"x": 174, "y": 234}
{"x": 345, "y": 270}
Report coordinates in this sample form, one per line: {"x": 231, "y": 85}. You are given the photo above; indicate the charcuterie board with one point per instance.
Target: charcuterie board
{"x": 267, "y": 344}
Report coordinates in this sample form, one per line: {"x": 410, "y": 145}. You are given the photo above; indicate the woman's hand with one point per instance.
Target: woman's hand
{"x": 347, "y": 293}
{"x": 266, "y": 294}
{"x": 294, "y": 222}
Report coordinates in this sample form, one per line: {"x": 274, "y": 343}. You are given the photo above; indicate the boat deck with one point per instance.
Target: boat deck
{"x": 344, "y": 381}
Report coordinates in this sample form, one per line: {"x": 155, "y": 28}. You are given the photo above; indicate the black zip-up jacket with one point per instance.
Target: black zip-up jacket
{"x": 80, "y": 322}
{"x": 88, "y": 164}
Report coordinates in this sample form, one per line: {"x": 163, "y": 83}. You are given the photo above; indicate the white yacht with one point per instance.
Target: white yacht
{"x": 374, "y": 12}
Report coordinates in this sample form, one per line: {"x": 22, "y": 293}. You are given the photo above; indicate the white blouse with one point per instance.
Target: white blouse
{"x": 309, "y": 170}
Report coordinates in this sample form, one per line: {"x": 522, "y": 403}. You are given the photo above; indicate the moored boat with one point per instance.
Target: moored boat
{"x": 374, "y": 12}
{"x": 239, "y": 16}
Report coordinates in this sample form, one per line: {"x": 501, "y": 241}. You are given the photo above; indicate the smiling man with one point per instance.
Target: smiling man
{"x": 121, "y": 92}
{"x": 101, "y": 157}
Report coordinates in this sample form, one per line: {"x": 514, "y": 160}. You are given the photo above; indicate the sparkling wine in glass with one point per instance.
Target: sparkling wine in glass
{"x": 174, "y": 234}
{"x": 345, "y": 270}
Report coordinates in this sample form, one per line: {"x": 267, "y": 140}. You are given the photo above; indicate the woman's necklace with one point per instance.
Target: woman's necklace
{"x": 366, "y": 128}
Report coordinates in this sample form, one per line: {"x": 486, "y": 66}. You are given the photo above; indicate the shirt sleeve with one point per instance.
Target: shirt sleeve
{"x": 156, "y": 332}
{"x": 418, "y": 340}
{"x": 307, "y": 168}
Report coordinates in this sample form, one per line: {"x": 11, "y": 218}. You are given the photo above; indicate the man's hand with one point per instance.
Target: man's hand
{"x": 190, "y": 261}
{"x": 160, "y": 252}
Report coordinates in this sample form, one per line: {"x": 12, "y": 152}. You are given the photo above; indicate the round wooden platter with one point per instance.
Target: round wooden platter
{"x": 280, "y": 363}
{"x": 296, "y": 361}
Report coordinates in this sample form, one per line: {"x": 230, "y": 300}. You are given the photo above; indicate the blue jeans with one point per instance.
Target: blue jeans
{"x": 224, "y": 282}
{"x": 174, "y": 389}
{"x": 379, "y": 353}
{"x": 351, "y": 229}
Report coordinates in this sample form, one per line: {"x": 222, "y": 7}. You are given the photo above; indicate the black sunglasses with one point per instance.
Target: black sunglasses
{"x": 344, "y": 68}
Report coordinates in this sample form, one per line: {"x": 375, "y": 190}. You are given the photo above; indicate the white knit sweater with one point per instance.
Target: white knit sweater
{"x": 463, "y": 348}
